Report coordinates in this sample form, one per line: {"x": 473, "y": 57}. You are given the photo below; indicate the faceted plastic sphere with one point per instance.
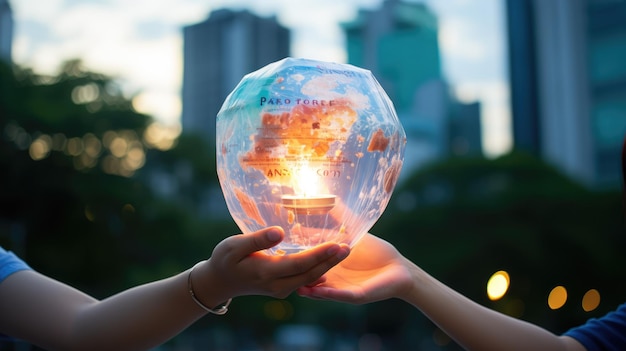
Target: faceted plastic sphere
{"x": 313, "y": 147}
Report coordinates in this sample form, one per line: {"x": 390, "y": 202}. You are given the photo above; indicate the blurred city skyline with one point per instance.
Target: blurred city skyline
{"x": 142, "y": 46}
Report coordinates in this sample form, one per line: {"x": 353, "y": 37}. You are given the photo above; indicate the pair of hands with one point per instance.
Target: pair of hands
{"x": 373, "y": 270}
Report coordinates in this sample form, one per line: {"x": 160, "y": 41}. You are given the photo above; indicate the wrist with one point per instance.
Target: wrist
{"x": 415, "y": 278}
{"x": 205, "y": 291}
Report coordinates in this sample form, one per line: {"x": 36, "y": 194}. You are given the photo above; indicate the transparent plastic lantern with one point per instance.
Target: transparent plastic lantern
{"x": 314, "y": 147}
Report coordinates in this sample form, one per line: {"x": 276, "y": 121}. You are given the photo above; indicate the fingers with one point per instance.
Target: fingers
{"x": 278, "y": 276}
{"x": 246, "y": 244}
{"x": 337, "y": 254}
{"x": 318, "y": 281}
{"x": 308, "y": 267}
{"x": 265, "y": 238}
{"x": 331, "y": 294}
{"x": 315, "y": 261}
{"x": 304, "y": 268}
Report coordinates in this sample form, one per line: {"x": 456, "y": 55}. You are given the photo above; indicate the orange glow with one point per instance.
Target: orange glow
{"x": 306, "y": 182}
{"x": 306, "y": 133}
{"x": 498, "y": 285}
{"x": 557, "y": 297}
{"x": 591, "y": 300}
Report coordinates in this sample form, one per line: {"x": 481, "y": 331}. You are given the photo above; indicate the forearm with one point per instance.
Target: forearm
{"x": 138, "y": 318}
{"x": 58, "y": 317}
{"x": 474, "y": 326}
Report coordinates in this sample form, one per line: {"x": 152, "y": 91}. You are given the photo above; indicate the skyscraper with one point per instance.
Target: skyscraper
{"x": 6, "y": 31}
{"x": 606, "y": 30}
{"x": 399, "y": 43}
{"x": 218, "y": 52}
{"x": 568, "y": 84}
{"x": 523, "y": 74}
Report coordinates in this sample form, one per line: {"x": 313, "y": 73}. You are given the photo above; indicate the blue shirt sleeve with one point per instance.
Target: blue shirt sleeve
{"x": 10, "y": 263}
{"x": 607, "y": 333}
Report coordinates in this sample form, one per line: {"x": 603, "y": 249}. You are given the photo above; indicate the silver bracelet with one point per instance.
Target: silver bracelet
{"x": 221, "y": 309}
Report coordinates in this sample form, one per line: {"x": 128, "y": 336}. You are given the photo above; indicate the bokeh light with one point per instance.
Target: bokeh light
{"x": 126, "y": 150}
{"x": 93, "y": 146}
{"x": 40, "y": 148}
{"x": 557, "y": 297}
{"x": 85, "y": 93}
{"x": 591, "y": 300}
{"x": 498, "y": 285}
{"x": 118, "y": 147}
{"x": 74, "y": 146}
{"x": 161, "y": 137}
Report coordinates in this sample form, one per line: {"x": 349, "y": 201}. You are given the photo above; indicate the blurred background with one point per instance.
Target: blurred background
{"x": 515, "y": 113}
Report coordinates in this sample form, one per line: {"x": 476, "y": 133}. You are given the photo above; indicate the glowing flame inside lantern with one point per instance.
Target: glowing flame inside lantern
{"x": 309, "y": 197}
{"x": 306, "y": 182}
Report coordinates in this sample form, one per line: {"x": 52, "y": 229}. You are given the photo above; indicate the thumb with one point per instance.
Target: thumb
{"x": 262, "y": 239}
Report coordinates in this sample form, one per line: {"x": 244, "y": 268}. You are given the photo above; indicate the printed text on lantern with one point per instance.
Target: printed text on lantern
{"x": 287, "y": 101}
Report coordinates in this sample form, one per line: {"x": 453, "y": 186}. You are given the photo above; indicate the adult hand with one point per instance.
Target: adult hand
{"x": 374, "y": 271}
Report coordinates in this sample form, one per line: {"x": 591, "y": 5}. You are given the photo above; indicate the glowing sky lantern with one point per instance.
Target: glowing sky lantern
{"x": 314, "y": 147}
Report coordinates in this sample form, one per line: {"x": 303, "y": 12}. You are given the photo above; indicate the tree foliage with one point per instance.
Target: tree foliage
{"x": 76, "y": 199}
{"x": 464, "y": 219}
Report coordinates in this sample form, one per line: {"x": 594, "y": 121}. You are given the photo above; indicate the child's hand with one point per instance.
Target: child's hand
{"x": 239, "y": 267}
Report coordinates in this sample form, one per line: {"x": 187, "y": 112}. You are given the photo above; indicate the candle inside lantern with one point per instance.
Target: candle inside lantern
{"x": 300, "y": 204}
{"x": 309, "y": 198}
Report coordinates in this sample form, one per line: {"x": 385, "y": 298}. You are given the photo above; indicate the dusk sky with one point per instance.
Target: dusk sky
{"x": 140, "y": 43}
